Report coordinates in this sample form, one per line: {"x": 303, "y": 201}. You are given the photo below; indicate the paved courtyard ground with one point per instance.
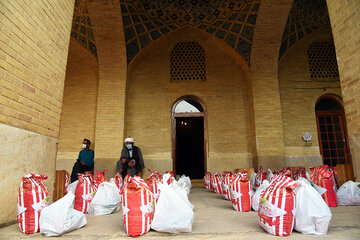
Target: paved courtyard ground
{"x": 214, "y": 219}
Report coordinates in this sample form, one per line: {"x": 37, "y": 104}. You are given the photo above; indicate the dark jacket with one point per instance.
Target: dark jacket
{"x": 136, "y": 155}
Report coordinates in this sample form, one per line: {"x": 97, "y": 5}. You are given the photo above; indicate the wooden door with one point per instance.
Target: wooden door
{"x": 333, "y": 143}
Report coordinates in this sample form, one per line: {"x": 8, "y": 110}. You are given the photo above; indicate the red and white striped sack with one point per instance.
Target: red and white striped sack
{"x": 322, "y": 177}
{"x": 153, "y": 184}
{"x": 67, "y": 179}
{"x": 225, "y": 184}
{"x": 207, "y": 180}
{"x": 84, "y": 192}
{"x": 33, "y": 196}
{"x": 240, "y": 192}
{"x": 216, "y": 183}
{"x": 277, "y": 206}
{"x": 301, "y": 172}
{"x": 260, "y": 176}
{"x": 154, "y": 174}
{"x": 137, "y": 208}
{"x": 100, "y": 177}
{"x": 118, "y": 180}
{"x": 285, "y": 172}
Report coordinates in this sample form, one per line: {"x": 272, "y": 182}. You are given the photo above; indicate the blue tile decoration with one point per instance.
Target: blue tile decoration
{"x": 305, "y": 17}
{"x": 247, "y": 32}
{"x": 236, "y": 28}
{"x": 132, "y": 48}
{"x": 251, "y": 19}
{"x": 220, "y": 34}
{"x": 226, "y": 25}
{"x": 148, "y": 20}
{"x": 230, "y": 40}
{"x": 81, "y": 29}
{"x": 129, "y": 33}
{"x": 126, "y": 20}
{"x": 155, "y": 35}
{"x": 144, "y": 40}
{"x": 243, "y": 47}
{"x": 139, "y": 29}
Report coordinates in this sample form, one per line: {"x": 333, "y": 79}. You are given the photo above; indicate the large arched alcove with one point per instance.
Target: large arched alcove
{"x": 151, "y": 93}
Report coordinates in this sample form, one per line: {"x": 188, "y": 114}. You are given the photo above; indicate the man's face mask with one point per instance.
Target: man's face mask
{"x": 129, "y": 146}
{"x": 83, "y": 146}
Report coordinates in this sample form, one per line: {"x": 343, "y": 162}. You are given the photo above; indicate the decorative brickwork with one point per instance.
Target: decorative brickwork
{"x": 147, "y": 20}
{"x": 82, "y": 28}
{"x": 322, "y": 62}
{"x": 305, "y": 17}
{"x": 187, "y": 62}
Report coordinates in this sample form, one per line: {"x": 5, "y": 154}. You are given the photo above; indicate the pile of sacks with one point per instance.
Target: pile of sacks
{"x": 159, "y": 202}
{"x": 98, "y": 196}
{"x": 286, "y": 200}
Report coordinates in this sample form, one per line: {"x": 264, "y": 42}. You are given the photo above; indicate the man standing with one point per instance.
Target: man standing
{"x": 85, "y": 161}
{"x": 131, "y": 161}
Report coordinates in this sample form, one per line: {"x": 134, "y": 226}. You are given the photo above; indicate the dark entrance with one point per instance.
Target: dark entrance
{"x": 190, "y": 146}
{"x": 189, "y": 137}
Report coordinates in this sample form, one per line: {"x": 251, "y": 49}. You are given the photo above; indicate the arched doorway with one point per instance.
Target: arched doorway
{"x": 332, "y": 134}
{"x": 188, "y": 137}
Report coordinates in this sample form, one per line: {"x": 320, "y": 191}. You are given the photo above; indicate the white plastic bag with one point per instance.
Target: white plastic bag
{"x": 72, "y": 186}
{"x": 60, "y": 217}
{"x": 269, "y": 175}
{"x": 106, "y": 200}
{"x": 182, "y": 183}
{"x": 349, "y": 194}
{"x": 186, "y": 180}
{"x": 252, "y": 180}
{"x": 172, "y": 213}
{"x": 255, "y": 201}
{"x": 312, "y": 213}
{"x": 302, "y": 180}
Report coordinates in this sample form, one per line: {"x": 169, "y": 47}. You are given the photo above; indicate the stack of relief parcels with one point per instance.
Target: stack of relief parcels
{"x": 36, "y": 215}
{"x": 159, "y": 202}
{"x": 282, "y": 203}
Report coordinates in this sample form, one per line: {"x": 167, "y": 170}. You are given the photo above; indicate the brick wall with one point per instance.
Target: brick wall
{"x": 79, "y": 105}
{"x": 298, "y": 98}
{"x": 345, "y": 20}
{"x": 34, "y": 42}
{"x": 109, "y": 34}
{"x": 151, "y": 95}
{"x": 34, "y": 39}
{"x": 269, "y": 29}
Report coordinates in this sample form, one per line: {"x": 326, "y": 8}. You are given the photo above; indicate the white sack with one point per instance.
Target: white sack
{"x": 349, "y": 194}
{"x": 252, "y": 180}
{"x": 182, "y": 183}
{"x": 312, "y": 213}
{"x": 72, "y": 186}
{"x": 302, "y": 180}
{"x": 106, "y": 200}
{"x": 60, "y": 217}
{"x": 255, "y": 201}
{"x": 187, "y": 180}
{"x": 172, "y": 213}
{"x": 269, "y": 175}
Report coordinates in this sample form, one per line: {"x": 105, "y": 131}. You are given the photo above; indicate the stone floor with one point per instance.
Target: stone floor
{"x": 214, "y": 219}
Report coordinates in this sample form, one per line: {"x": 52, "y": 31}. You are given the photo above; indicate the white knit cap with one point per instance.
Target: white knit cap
{"x": 129, "y": 140}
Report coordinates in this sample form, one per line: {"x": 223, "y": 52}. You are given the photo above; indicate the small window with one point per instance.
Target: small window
{"x": 187, "y": 62}
{"x": 188, "y": 106}
{"x": 322, "y": 62}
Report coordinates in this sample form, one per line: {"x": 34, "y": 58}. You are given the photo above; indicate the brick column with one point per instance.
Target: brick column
{"x": 269, "y": 29}
{"x": 345, "y": 21}
{"x": 109, "y": 35}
